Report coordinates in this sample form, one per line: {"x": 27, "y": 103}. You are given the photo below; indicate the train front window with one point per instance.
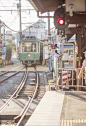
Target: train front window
{"x": 29, "y": 47}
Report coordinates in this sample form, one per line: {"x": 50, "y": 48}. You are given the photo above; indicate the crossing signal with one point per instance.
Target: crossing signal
{"x": 59, "y": 49}
{"x": 53, "y": 47}
{"x": 59, "y": 19}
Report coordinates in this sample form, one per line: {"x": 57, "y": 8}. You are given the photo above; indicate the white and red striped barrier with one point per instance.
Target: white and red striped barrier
{"x": 66, "y": 76}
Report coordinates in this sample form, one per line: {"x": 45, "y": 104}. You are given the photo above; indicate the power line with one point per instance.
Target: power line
{"x": 21, "y": 10}
{"x": 9, "y": 27}
{"x": 13, "y": 20}
{"x": 15, "y": 6}
{"x": 2, "y": 5}
{"x": 9, "y": 2}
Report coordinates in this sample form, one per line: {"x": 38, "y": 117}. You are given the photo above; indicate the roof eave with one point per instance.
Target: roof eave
{"x": 32, "y": 3}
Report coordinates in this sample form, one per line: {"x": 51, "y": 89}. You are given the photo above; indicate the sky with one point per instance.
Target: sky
{"x": 11, "y": 18}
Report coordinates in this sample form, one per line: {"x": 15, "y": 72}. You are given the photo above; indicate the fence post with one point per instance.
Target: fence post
{"x": 77, "y": 71}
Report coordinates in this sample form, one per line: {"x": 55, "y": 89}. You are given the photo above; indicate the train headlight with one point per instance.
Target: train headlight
{"x": 29, "y": 55}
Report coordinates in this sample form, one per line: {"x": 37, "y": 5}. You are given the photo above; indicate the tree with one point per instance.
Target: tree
{"x": 8, "y": 53}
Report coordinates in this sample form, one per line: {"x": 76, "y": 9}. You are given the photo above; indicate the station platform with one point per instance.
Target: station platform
{"x": 20, "y": 67}
{"x": 14, "y": 67}
{"x": 38, "y": 68}
{"x": 48, "y": 111}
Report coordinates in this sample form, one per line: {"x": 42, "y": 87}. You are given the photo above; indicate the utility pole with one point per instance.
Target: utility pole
{"x": 49, "y": 25}
{"x": 19, "y": 35}
{"x": 20, "y": 19}
{"x": 0, "y": 28}
{"x": 0, "y": 44}
{"x": 3, "y": 35}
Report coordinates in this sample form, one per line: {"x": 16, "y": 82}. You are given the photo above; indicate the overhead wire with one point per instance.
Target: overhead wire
{"x": 9, "y": 27}
{"x": 3, "y": 5}
{"x": 13, "y": 20}
{"x": 10, "y": 2}
{"x": 14, "y": 6}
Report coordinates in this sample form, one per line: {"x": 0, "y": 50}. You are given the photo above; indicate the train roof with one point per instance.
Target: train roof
{"x": 29, "y": 39}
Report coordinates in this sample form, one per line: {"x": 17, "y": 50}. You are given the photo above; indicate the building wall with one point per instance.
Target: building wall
{"x": 38, "y": 30}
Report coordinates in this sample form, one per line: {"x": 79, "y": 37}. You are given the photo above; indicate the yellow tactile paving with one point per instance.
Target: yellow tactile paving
{"x": 30, "y": 69}
{"x": 41, "y": 68}
{"x": 38, "y": 68}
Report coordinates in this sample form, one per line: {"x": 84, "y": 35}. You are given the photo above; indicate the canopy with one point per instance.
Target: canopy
{"x": 45, "y": 5}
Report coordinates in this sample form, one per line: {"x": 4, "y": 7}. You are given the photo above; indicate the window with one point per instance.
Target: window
{"x": 29, "y": 47}
{"x": 66, "y": 51}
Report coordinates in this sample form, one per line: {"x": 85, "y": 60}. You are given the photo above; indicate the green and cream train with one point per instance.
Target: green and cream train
{"x": 30, "y": 51}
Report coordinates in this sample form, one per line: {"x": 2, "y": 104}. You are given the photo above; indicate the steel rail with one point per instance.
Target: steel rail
{"x": 11, "y": 98}
{"x": 27, "y": 106}
{"x": 23, "y": 83}
{"x": 4, "y": 73}
{"x": 9, "y": 77}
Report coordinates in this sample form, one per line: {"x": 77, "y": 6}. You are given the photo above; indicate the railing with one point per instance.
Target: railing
{"x": 57, "y": 86}
{"x": 69, "y": 78}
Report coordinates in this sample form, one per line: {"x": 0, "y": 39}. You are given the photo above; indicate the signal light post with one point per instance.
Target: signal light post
{"x": 59, "y": 21}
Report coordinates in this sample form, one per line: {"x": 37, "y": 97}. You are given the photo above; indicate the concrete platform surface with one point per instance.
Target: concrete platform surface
{"x": 74, "y": 105}
{"x": 19, "y": 66}
{"x": 48, "y": 111}
{"x": 42, "y": 68}
{"x": 14, "y": 67}
{"x": 38, "y": 68}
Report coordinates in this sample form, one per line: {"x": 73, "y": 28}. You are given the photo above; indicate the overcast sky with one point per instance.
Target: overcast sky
{"x": 11, "y": 18}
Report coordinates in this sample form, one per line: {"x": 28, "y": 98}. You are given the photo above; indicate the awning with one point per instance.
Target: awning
{"x": 45, "y": 5}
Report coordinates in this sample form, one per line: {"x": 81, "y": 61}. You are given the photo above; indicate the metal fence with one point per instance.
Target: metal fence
{"x": 69, "y": 78}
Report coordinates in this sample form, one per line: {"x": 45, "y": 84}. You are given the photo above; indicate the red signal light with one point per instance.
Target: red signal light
{"x": 53, "y": 47}
{"x": 0, "y": 46}
{"x": 60, "y": 21}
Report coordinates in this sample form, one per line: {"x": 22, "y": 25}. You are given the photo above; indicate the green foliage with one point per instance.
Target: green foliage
{"x": 12, "y": 46}
{"x": 8, "y": 53}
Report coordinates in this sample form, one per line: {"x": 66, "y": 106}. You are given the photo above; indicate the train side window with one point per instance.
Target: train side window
{"x": 38, "y": 46}
{"x": 33, "y": 48}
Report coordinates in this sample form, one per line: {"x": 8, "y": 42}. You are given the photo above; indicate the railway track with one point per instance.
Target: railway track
{"x": 29, "y": 87}
{"x": 15, "y": 94}
{"x": 32, "y": 86}
{"x": 31, "y": 95}
{"x": 4, "y": 73}
{"x": 6, "y": 78}
{"x": 7, "y": 72}
{"x": 37, "y": 90}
